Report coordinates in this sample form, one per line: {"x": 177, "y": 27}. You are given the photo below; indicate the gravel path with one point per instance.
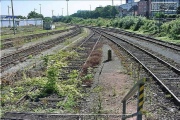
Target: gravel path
{"x": 109, "y": 87}
{"x": 155, "y": 48}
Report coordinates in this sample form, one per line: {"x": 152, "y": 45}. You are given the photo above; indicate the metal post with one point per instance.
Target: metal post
{"x": 13, "y": 16}
{"x": 67, "y": 8}
{"x": 109, "y": 55}
{"x": 40, "y": 8}
{"x": 35, "y": 18}
{"x": 124, "y": 110}
{"x": 147, "y": 12}
{"x": 62, "y": 11}
{"x": 159, "y": 21}
{"x": 140, "y": 101}
{"x": 52, "y": 12}
{"x": 9, "y": 16}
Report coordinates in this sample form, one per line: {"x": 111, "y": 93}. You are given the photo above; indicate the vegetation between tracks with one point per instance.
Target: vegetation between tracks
{"x": 46, "y": 85}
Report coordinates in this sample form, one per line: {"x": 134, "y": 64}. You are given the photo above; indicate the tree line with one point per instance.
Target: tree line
{"x": 104, "y": 12}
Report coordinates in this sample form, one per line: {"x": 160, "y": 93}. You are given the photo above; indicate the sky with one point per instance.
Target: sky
{"x": 23, "y": 7}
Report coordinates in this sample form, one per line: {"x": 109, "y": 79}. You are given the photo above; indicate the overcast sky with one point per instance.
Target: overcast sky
{"x": 23, "y": 7}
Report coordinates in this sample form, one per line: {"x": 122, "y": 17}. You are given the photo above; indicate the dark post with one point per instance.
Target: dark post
{"x": 124, "y": 110}
{"x": 9, "y": 16}
{"x": 109, "y": 55}
{"x": 13, "y": 16}
{"x": 67, "y": 8}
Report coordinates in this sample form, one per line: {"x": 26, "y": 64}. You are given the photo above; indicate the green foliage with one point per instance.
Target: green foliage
{"x": 47, "y": 19}
{"x": 150, "y": 26}
{"x": 138, "y": 24}
{"x": 104, "y": 12}
{"x": 159, "y": 15}
{"x": 21, "y": 17}
{"x": 172, "y": 29}
{"x": 52, "y": 76}
{"x": 33, "y": 14}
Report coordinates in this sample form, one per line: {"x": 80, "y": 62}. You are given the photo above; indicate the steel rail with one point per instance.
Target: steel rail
{"x": 38, "y": 48}
{"x": 173, "y": 67}
{"x": 145, "y": 67}
{"x": 149, "y": 39}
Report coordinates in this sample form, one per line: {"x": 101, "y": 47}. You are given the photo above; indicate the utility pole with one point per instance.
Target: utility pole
{"x": 9, "y": 16}
{"x": 112, "y": 3}
{"x": 40, "y": 8}
{"x": 35, "y": 18}
{"x": 90, "y": 7}
{"x": 13, "y": 16}
{"x": 52, "y": 12}
{"x": 40, "y": 13}
{"x": 62, "y": 11}
{"x": 67, "y": 8}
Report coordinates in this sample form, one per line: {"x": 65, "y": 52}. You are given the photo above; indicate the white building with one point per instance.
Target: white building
{"x": 21, "y": 22}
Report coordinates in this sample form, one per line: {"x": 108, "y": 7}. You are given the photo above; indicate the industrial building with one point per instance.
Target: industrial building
{"x": 148, "y": 7}
{"x": 7, "y": 21}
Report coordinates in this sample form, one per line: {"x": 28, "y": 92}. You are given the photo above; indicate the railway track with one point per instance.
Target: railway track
{"x": 9, "y": 42}
{"x": 169, "y": 55}
{"x": 167, "y": 75}
{"x": 169, "y": 45}
{"x": 73, "y": 64}
{"x": 12, "y": 59}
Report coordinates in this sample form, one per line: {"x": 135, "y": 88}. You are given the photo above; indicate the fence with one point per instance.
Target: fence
{"x": 139, "y": 86}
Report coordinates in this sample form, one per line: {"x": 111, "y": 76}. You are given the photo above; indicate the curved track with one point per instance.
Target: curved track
{"x": 167, "y": 75}
{"x": 12, "y": 59}
{"x": 172, "y": 46}
{"x": 88, "y": 44}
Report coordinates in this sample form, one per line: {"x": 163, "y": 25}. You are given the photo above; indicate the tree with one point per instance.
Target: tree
{"x": 33, "y": 14}
{"x": 114, "y": 11}
{"x": 104, "y": 12}
{"x": 47, "y": 19}
{"x": 21, "y": 17}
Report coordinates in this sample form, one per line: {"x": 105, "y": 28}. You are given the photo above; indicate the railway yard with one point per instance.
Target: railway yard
{"x": 84, "y": 72}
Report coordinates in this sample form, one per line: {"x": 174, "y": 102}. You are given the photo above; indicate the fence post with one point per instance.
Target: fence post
{"x": 140, "y": 101}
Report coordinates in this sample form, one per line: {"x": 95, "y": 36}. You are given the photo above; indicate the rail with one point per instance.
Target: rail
{"x": 139, "y": 86}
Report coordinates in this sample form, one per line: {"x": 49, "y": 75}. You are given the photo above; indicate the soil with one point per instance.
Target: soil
{"x": 111, "y": 84}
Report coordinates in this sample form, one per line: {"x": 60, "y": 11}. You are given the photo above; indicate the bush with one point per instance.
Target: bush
{"x": 138, "y": 24}
{"x": 172, "y": 28}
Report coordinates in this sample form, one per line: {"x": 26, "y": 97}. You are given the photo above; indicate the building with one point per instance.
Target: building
{"x": 148, "y": 7}
{"x": 8, "y": 16}
{"x": 129, "y": 1}
{"x": 142, "y": 8}
{"x": 21, "y": 22}
{"x": 128, "y": 9}
{"x": 165, "y": 6}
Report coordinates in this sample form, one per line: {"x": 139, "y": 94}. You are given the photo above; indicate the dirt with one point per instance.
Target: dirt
{"x": 111, "y": 84}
